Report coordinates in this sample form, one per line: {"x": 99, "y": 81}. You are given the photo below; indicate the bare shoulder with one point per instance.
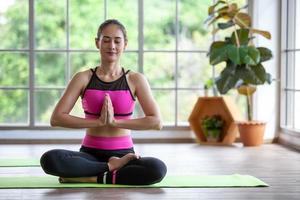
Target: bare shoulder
{"x": 136, "y": 77}
{"x": 80, "y": 80}
{"x": 83, "y": 76}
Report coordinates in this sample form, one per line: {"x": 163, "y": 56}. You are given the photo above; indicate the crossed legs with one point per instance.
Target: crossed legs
{"x": 124, "y": 168}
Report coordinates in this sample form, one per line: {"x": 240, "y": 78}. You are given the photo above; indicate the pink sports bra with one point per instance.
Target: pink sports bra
{"x": 122, "y": 98}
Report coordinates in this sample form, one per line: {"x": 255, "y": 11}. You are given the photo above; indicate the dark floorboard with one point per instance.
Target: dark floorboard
{"x": 276, "y": 165}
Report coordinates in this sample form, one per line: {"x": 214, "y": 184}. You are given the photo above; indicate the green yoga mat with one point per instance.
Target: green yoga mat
{"x": 191, "y": 181}
{"x": 19, "y": 162}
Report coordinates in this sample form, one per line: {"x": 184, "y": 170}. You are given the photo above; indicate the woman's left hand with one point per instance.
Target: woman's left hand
{"x": 110, "y": 111}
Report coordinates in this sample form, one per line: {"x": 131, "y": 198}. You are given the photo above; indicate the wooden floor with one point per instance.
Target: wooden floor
{"x": 274, "y": 164}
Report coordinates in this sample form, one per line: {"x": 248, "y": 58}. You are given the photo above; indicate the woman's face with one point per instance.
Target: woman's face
{"x": 111, "y": 43}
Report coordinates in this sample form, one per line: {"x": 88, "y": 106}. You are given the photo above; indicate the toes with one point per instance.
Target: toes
{"x": 61, "y": 180}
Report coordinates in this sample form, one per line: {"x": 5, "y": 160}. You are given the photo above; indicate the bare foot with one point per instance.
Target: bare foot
{"x": 78, "y": 180}
{"x": 115, "y": 163}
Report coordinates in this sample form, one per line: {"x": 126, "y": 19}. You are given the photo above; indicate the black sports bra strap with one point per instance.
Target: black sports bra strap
{"x": 93, "y": 70}
{"x": 127, "y": 71}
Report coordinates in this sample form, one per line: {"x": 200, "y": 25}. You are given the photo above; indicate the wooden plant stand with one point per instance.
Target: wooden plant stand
{"x": 223, "y": 106}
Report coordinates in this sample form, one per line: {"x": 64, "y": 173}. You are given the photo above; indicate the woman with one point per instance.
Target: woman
{"x": 108, "y": 95}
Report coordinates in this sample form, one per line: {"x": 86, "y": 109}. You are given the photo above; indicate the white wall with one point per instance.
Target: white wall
{"x": 266, "y": 16}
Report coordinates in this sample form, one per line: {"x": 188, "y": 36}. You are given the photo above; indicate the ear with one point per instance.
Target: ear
{"x": 125, "y": 44}
{"x": 97, "y": 43}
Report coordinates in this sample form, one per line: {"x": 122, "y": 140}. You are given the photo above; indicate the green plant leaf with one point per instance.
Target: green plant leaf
{"x": 227, "y": 78}
{"x": 265, "y": 54}
{"x": 243, "y": 35}
{"x": 255, "y": 74}
{"x": 233, "y": 54}
{"x": 217, "y": 52}
{"x": 228, "y": 24}
{"x": 260, "y": 73}
{"x": 249, "y": 55}
{"x": 244, "y": 73}
{"x": 254, "y": 54}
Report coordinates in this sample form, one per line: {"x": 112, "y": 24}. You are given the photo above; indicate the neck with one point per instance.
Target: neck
{"x": 110, "y": 68}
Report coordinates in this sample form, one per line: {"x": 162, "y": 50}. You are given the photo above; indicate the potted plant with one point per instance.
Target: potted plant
{"x": 244, "y": 68}
{"x": 212, "y": 127}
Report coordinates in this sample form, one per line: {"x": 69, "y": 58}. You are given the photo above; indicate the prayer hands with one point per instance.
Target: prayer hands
{"x": 107, "y": 112}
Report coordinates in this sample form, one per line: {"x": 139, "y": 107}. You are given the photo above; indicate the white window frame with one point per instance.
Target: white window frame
{"x": 32, "y": 50}
{"x": 289, "y": 134}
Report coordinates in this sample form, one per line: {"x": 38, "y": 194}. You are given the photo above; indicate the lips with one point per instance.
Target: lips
{"x": 111, "y": 53}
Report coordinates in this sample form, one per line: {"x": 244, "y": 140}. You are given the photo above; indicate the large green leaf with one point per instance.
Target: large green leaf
{"x": 245, "y": 74}
{"x": 227, "y": 78}
{"x": 260, "y": 73}
{"x": 217, "y": 52}
{"x": 253, "y": 54}
{"x": 243, "y": 36}
{"x": 255, "y": 75}
{"x": 233, "y": 54}
{"x": 249, "y": 55}
{"x": 265, "y": 54}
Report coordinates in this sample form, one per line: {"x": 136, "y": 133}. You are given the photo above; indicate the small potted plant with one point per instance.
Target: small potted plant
{"x": 212, "y": 127}
{"x": 244, "y": 67}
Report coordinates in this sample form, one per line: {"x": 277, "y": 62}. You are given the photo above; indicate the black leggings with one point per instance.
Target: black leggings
{"x": 93, "y": 162}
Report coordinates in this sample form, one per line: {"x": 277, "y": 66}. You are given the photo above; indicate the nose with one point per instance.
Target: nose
{"x": 112, "y": 45}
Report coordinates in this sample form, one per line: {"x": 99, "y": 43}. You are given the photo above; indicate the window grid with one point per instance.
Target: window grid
{"x": 289, "y": 90}
{"x": 32, "y": 52}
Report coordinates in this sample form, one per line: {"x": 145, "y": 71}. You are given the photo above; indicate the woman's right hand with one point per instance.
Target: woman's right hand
{"x": 103, "y": 113}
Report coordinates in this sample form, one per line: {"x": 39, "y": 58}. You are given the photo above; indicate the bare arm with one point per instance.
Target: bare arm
{"x": 61, "y": 114}
{"x": 152, "y": 119}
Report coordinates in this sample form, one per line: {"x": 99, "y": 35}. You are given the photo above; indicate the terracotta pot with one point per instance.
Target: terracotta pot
{"x": 252, "y": 132}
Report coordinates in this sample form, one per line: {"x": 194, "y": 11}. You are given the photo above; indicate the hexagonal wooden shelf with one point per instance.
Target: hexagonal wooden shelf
{"x": 223, "y": 106}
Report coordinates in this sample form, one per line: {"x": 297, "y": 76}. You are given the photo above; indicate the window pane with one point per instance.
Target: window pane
{"x": 297, "y": 26}
{"x": 193, "y": 34}
{"x": 130, "y": 61}
{"x": 290, "y": 69}
{"x": 138, "y": 111}
{"x": 77, "y": 109}
{"x": 14, "y": 69}
{"x": 50, "y": 69}
{"x": 297, "y": 71}
{"x": 297, "y": 110}
{"x": 13, "y": 24}
{"x": 194, "y": 70}
{"x": 289, "y": 109}
{"x": 186, "y": 103}
{"x": 14, "y": 107}
{"x": 83, "y": 61}
{"x": 45, "y": 102}
{"x": 127, "y": 13}
{"x": 166, "y": 102}
{"x": 159, "y": 69}
{"x": 85, "y": 17}
{"x": 159, "y": 24}
{"x": 50, "y": 24}
{"x": 240, "y": 101}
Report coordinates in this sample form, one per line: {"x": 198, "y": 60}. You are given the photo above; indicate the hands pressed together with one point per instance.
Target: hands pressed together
{"x": 107, "y": 112}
